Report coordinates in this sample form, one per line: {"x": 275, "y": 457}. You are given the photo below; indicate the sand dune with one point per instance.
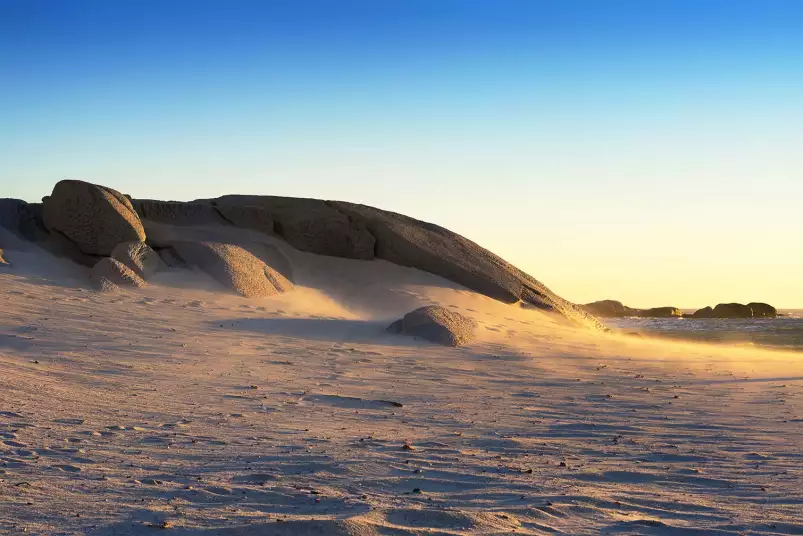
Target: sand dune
{"x": 183, "y": 408}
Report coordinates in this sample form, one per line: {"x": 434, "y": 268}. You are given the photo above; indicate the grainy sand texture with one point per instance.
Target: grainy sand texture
{"x": 180, "y": 408}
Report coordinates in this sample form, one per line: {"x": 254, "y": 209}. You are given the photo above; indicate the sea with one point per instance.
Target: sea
{"x": 784, "y": 332}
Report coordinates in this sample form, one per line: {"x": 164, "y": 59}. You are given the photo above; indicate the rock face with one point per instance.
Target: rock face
{"x": 763, "y": 310}
{"x": 732, "y": 310}
{"x": 3, "y": 262}
{"x": 438, "y": 325}
{"x": 308, "y": 225}
{"x": 233, "y": 267}
{"x": 138, "y": 257}
{"x": 23, "y": 219}
{"x": 353, "y": 231}
{"x": 110, "y": 271}
{"x": 93, "y": 217}
{"x": 177, "y": 213}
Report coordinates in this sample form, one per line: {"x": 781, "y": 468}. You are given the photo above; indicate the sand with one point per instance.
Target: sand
{"x": 181, "y": 409}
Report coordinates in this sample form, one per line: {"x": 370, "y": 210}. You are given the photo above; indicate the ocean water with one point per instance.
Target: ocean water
{"x": 784, "y": 332}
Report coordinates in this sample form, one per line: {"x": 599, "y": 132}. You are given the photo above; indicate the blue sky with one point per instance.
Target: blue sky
{"x": 640, "y": 150}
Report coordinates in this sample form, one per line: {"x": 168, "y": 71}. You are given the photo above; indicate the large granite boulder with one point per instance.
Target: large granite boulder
{"x": 233, "y": 267}
{"x": 763, "y": 310}
{"x": 177, "y": 213}
{"x": 139, "y": 257}
{"x": 732, "y": 310}
{"x": 438, "y": 325}
{"x": 661, "y": 312}
{"x": 609, "y": 308}
{"x": 308, "y": 225}
{"x": 109, "y": 273}
{"x": 94, "y": 218}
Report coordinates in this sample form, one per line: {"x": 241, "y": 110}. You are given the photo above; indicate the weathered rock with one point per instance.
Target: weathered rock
{"x": 102, "y": 284}
{"x": 93, "y": 217}
{"x": 23, "y": 219}
{"x": 3, "y": 262}
{"x": 139, "y": 257}
{"x": 705, "y": 312}
{"x": 763, "y": 310}
{"x": 661, "y": 312}
{"x": 115, "y": 272}
{"x": 233, "y": 267}
{"x": 271, "y": 256}
{"x": 247, "y": 217}
{"x": 437, "y": 324}
{"x": 178, "y": 213}
{"x": 309, "y": 225}
{"x": 732, "y": 310}
{"x": 610, "y": 308}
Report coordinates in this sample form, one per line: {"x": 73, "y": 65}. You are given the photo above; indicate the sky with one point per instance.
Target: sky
{"x": 645, "y": 151}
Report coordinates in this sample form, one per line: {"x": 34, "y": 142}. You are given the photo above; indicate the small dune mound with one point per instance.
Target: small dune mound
{"x": 233, "y": 267}
{"x": 111, "y": 271}
{"x": 139, "y": 257}
{"x": 438, "y": 325}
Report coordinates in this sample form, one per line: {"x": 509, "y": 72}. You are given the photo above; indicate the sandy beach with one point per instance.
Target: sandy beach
{"x": 182, "y": 408}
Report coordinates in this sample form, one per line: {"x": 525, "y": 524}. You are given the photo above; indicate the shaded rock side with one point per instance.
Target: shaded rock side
{"x": 763, "y": 310}
{"x": 306, "y": 224}
{"x": 438, "y": 325}
{"x": 94, "y": 218}
{"x": 112, "y": 271}
{"x": 233, "y": 267}
{"x": 139, "y": 257}
{"x": 23, "y": 219}
{"x": 4, "y": 263}
{"x": 177, "y": 212}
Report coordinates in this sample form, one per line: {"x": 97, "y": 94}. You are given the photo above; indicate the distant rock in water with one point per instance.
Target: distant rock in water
{"x": 705, "y": 312}
{"x": 233, "y": 267}
{"x": 437, "y": 324}
{"x": 662, "y": 312}
{"x": 732, "y": 310}
{"x": 615, "y": 309}
{"x": 94, "y": 218}
{"x": 763, "y": 310}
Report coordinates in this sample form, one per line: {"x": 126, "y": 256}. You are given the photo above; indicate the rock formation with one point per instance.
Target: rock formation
{"x": 94, "y": 218}
{"x": 139, "y": 257}
{"x": 732, "y": 310}
{"x": 438, "y": 325}
{"x": 763, "y": 310}
{"x": 110, "y": 271}
{"x": 613, "y": 309}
